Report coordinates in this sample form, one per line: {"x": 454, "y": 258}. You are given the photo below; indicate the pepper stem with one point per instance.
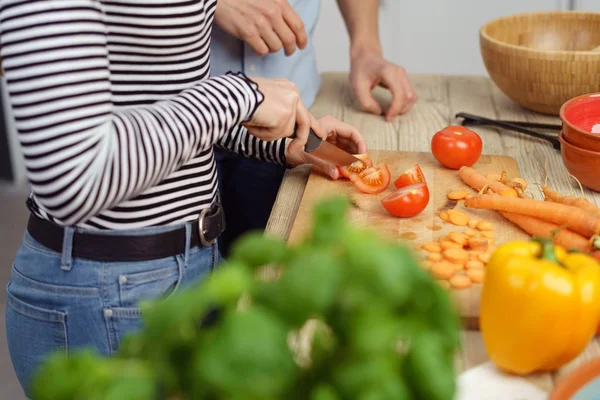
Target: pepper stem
{"x": 548, "y": 251}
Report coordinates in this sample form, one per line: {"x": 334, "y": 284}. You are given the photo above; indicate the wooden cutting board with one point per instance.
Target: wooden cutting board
{"x": 367, "y": 211}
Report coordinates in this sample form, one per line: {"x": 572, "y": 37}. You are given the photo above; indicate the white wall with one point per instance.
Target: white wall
{"x": 426, "y": 36}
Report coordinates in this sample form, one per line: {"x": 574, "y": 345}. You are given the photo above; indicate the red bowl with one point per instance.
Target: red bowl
{"x": 583, "y": 383}
{"x": 579, "y": 116}
{"x": 581, "y": 163}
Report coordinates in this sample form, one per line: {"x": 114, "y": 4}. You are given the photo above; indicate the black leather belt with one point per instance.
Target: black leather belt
{"x": 99, "y": 247}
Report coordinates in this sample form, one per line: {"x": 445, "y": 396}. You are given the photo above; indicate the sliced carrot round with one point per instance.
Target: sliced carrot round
{"x": 459, "y": 219}
{"x": 474, "y": 264}
{"x": 443, "y": 270}
{"x": 455, "y": 255}
{"x": 449, "y": 244}
{"x": 476, "y": 275}
{"x": 460, "y": 282}
{"x": 444, "y": 216}
{"x": 484, "y": 257}
{"x": 473, "y": 224}
{"x": 458, "y": 237}
{"x": 457, "y": 194}
{"x": 470, "y": 232}
{"x": 485, "y": 226}
{"x": 435, "y": 257}
{"x": 479, "y": 244}
{"x": 431, "y": 247}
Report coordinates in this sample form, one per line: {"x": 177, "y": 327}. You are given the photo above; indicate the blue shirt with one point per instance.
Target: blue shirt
{"x": 231, "y": 54}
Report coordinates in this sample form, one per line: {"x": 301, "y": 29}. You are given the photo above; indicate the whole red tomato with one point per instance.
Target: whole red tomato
{"x": 456, "y": 146}
{"x": 407, "y": 201}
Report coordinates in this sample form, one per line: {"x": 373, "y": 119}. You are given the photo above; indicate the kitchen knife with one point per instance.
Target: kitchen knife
{"x": 326, "y": 151}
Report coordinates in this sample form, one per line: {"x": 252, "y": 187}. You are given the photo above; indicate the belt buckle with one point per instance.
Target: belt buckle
{"x": 201, "y": 230}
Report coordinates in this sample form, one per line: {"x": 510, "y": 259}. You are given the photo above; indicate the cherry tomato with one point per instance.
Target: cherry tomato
{"x": 456, "y": 146}
{"x": 372, "y": 180}
{"x": 407, "y": 201}
{"x": 357, "y": 166}
{"x": 411, "y": 176}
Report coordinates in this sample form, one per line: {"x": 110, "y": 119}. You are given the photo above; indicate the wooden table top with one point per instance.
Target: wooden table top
{"x": 440, "y": 98}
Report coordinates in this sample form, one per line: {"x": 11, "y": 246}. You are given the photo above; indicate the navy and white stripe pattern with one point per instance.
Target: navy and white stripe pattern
{"x": 115, "y": 110}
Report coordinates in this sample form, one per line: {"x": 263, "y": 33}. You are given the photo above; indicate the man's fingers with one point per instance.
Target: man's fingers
{"x": 295, "y": 24}
{"x": 392, "y": 78}
{"x": 286, "y": 36}
{"x": 347, "y": 135}
{"x": 362, "y": 90}
{"x": 411, "y": 95}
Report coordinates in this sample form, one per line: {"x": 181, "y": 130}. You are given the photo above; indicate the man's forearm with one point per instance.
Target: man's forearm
{"x": 362, "y": 21}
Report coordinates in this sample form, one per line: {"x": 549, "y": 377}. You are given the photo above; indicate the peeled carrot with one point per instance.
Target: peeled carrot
{"x": 574, "y": 218}
{"x": 494, "y": 177}
{"x": 536, "y": 227}
{"x": 580, "y": 202}
{"x": 478, "y": 182}
{"x": 520, "y": 182}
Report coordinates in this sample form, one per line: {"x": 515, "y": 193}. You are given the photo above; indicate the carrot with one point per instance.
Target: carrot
{"x": 435, "y": 257}
{"x": 459, "y": 219}
{"x": 458, "y": 267}
{"x": 476, "y": 275}
{"x": 487, "y": 234}
{"x": 431, "y": 247}
{"x": 536, "y": 227}
{"x": 493, "y": 177}
{"x": 460, "y": 282}
{"x": 458, "y": 237}
{"x": 474, "y": 264}
{"x": 574, "y": 218}
{"x": 484, "y": 257}
{"x": 444, "y": 216}
{"x": 457, "y": 194}
{"x": 473, "y": 224}
{"x": 449, "y": 244}
{"x": 519, "y": 182}
{"x": 581, "y": 202}
{"x": 478, "y": 244}
{"x": 457, "y": 256}
{"x": 470, "y": 232}
{"x": 478, "y": 182}
{"x": 485, "y": 226}
{"x": 443, "y": 270}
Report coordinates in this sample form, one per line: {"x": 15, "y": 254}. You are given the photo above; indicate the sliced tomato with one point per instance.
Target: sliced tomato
{"x": 407, "y": 201}
{"x": 357, "y": 166}
{"x": 410, "y": 177}
{"x": 372, "y": 180}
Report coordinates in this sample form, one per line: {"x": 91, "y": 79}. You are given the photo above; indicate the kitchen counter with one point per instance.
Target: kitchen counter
{"x": 440, "y": 98}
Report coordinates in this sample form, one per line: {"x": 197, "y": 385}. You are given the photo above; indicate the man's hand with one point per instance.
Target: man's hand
{"x": 369, "y": 69}
{"x": 266, "y": 25}
{"x": 340, "y": 134}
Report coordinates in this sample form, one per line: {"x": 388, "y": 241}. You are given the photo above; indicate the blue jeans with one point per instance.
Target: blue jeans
{"x": 248, "y": 189}
{"x": 59, "y": 303}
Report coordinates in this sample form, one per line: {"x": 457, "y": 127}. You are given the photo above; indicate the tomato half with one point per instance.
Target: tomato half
{"x": 456, "y": 146}
{"x": 372, "y": 180}
{"x": 410, "y": 177}
{"x": 407, "y": 201}
{"x": 357, "y": 166}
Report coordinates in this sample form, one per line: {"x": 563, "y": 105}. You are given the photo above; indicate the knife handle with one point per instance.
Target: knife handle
{"x": 313, "y": 141}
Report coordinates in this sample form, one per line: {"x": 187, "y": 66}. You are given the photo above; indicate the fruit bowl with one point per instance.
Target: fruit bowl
{"x": 542, "y": 59}
{"x": 581, "y": 121}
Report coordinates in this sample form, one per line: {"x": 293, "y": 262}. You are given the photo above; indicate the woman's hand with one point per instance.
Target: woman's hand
{"x": 339, "y": 133}
{"x": 281, "y": 110}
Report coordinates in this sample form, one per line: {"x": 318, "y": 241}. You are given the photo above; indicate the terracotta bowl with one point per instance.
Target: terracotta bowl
{"x": 581, "y": 163}
{"x": 542, "y": 59}
{"x": 581, "y": 384}
{"x": 581, "y": 117}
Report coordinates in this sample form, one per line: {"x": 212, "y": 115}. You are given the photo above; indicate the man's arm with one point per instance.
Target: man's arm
{"x": 362, "y": 22}
{"x": 368, "y": 68}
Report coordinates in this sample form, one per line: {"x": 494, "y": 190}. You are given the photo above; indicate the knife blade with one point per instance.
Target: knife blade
{"x": 326, "y": 151}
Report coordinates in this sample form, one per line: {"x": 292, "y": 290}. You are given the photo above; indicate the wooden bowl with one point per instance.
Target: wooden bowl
{"x": 581, "y": 163}
{"x": 581, "y": 117}
{"x": 581, "y": 384}
{"x": 542, "y": 59}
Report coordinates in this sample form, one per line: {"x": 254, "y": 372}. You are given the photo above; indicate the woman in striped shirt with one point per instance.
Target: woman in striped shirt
{"x": 117, "y": 120}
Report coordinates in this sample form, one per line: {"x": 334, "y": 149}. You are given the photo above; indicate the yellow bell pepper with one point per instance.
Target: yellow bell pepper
{"x": 540, "y": 306}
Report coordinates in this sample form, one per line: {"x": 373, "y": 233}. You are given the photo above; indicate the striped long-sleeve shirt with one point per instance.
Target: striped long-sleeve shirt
{"x": 115, "y": 112}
